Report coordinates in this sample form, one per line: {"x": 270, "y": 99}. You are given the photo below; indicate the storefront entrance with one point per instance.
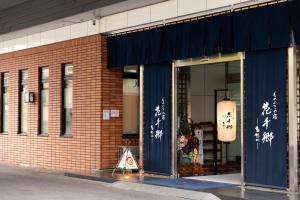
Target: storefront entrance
{"x": 199, "y": 86}
{"x": 188, "y": 133}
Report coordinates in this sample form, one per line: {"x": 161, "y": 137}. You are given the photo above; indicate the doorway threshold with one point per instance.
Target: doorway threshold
{"x": 234, "y": 178}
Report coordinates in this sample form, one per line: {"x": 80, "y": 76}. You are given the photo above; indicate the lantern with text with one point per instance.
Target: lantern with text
{"x": 226, "y": 120}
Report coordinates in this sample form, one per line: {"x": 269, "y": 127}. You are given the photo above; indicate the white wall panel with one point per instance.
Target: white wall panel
{"x": 209, "y": 108}
{"x": 198, "y": 80}
{"x": 139, "y": 16}
{"x": 115, "y": 22}
{"x": 191, "y": 6}
{"x": 8, "y": 46}
{"x": 211, "y": 4}
{"x": 164, "y": 10}
{"x": 34, "y": 40}
{"x": 62, "y": 34}
{"x": 79, "y": 30}
{"x": 214, "y": 78}
{"x": 93, "y": 28}
{"x": 198, "y": 108}
{"x": 102, "y": 25}
{"x": 47, "y": 37}
{"x": 20, "y": 43}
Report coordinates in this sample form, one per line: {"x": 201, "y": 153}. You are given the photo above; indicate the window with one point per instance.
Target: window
{"x": 4, "y": 96}
{"x": 44, "y": 100}
{"x": 67, "y": 99}
{"x": 130, "y": 101}
{"x": 23, "y": 105}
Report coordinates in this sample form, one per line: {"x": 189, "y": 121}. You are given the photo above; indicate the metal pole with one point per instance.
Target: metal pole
{"x": 174, "y": 122}
{"x": 292, "y": 119}
{"x": 141, "y": 122}
{"x": 242, "y": 117}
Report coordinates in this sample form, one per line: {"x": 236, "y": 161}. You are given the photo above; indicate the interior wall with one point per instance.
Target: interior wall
{"x": 205, "y": 79}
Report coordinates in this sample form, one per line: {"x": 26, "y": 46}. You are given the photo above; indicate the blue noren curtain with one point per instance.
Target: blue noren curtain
{"x": 266, "y": 118}
{"x": 157, "y": 118}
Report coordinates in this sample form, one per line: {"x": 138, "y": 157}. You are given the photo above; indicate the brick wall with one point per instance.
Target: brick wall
{"x": 94, "y": 142}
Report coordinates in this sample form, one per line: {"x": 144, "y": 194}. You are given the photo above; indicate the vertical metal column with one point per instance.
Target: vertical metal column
{"x": 141, "y": 142}
{"x": 292, "y": 121}
{"x": 174, "y": 122}
{"x": 242, "y": 55}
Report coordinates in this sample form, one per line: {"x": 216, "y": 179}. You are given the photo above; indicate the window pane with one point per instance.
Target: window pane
{"x": 131, "y": 69}
{"x": 5, "y": 111}
{"x": 44, "y": 111}
{"x": 44, "y": 100}
{"x": 45, "y": 85}
{"x": 5, "y": 79}
{"x": 23, "y": 111}
{"x": 130, "y": 106}
{"x": 68, "y": 69}
{"x": 24, "y": 76}
{"x": 68, "y": 104}
{"x": 23, "y": 105}
{"x": 45, "y": 73}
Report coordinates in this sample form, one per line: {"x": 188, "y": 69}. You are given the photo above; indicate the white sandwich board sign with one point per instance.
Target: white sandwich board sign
{"x": 127, "y": 161}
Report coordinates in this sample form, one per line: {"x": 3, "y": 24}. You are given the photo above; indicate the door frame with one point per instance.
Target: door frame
{"x": 292, "y": 121}
{"x": 202, "y": 61}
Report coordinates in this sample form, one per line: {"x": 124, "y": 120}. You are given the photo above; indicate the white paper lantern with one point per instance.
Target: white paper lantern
{"x": 226, "y": 120}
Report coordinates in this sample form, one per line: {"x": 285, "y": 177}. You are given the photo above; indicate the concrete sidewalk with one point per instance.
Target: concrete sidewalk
{"x": 35, "y": 184}
{"x": 39, "y": 184}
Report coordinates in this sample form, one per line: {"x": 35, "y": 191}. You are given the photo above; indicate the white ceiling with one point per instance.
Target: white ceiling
{"x": 125, "y": 5}
{"x": 86, "y": 16}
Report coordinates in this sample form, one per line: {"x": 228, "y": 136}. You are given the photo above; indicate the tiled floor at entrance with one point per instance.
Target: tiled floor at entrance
{"x": 224, "y": 178}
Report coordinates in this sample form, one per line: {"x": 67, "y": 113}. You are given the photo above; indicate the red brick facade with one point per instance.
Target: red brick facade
{"x": 94, "y": 142}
